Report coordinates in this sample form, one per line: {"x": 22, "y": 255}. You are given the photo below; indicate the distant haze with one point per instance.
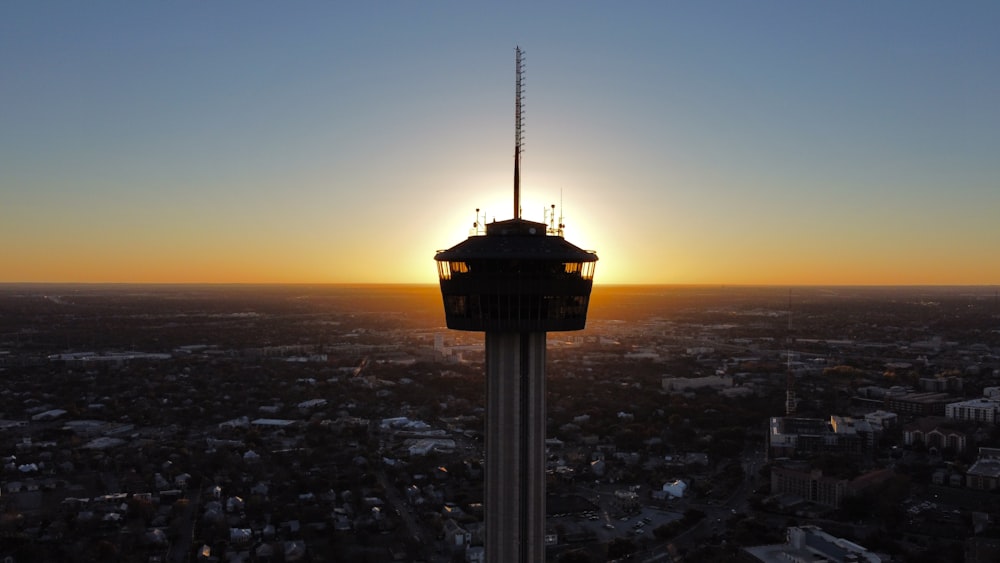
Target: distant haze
{"x": 320, "y": 142}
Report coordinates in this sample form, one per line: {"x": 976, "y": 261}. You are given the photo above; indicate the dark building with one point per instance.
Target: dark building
{"x": 922, "y": 404}
{"x": 795, "y": 437}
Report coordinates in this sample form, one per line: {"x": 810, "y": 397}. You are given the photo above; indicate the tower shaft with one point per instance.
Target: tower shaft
{"x": 515, "y": 447}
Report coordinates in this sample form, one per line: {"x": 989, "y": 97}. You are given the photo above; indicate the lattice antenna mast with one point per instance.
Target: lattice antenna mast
{"x": 790, "y": 401}
{"x": 518, "y": 126}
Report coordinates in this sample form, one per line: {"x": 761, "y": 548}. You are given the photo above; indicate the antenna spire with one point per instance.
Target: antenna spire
{"x": 518, "y": 125}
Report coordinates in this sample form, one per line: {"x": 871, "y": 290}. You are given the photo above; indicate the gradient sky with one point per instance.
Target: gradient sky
{"x": 849, "y": 142}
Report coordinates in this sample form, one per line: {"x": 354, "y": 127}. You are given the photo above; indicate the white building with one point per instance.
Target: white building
{"x": 974, "y": 410}
{"x": 675, "y": 489}
{"x": 813, "y": 545}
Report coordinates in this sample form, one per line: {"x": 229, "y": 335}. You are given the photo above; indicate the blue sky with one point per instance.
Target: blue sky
{"x": 708, "y": 142}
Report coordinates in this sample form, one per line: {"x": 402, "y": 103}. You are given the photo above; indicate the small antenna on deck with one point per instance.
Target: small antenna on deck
{"x": 518, "y": 125}
{"x": 562, "y": 223}
{"x": 477, "y": 224}
{"x": 554, "y": 228}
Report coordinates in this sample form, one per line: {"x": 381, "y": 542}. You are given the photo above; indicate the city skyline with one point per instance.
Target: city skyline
{"x": 774, "y": 143}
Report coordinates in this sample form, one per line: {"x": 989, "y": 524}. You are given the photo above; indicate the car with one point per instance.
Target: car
{"x": 609, "y": 526}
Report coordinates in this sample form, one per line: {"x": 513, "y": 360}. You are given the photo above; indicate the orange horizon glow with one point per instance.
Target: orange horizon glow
{"x": 616, "y": 266}
{"x": 627, "y": 256}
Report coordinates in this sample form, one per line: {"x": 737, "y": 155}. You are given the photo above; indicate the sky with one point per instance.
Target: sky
{"x": 719, "y": 142}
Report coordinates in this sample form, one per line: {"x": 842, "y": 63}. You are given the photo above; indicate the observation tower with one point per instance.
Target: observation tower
{"x": 515, "y": 282}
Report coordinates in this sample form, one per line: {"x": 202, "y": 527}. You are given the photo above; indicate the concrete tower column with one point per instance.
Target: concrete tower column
{"x": 515, "y": 447}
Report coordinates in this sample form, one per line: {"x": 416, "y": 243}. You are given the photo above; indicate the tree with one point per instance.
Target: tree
{"x": 574, "y": 556}
{"x": 620, "y": 547}
{"x": 856, "y": 507}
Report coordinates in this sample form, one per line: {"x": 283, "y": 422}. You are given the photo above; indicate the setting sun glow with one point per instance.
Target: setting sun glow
{"x": 713, "y": 144}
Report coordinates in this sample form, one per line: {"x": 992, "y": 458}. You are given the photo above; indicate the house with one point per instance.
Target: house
{"x": 984, "y": 475}
{"x": 475, "y": 555}
{"x": 455, "y": 536}
{"x": 427, "y": 445}
{"x": 240, "y": 537}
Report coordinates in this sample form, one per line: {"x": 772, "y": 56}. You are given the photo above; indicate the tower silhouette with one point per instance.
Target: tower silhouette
{"x": 516, "y": 282}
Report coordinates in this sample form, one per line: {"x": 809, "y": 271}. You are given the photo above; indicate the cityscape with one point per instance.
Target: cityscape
{"x": 222, "y": 339}
{"x": 345, "y": 423}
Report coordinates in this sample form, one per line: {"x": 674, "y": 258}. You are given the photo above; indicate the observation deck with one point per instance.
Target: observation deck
{"x": 516, "y": 278}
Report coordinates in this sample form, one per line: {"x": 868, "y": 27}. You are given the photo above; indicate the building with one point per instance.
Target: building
{"x": 786, "y": 433}
{"x": 810, "y": 544}
{"x": 809, "y": 485}
{"x": 934, "y": 432}
{"x": 882, "y": 420}
{"x": 456, "y": 538}
{"x": 941, "y": 384}
{"x": 974, "y": 410}
{"x": 982, "y": 550}
{"x": 849, "y": 430}
{"x": 515, "y": 282}
{"x": 424, "y": 446}
{"x": 921, "y": 404}
{"x": 984, "y": 475}
{"x": 792, "y": 436}
{"x": 689, "y": 383}
{"x": 674, "y": 489}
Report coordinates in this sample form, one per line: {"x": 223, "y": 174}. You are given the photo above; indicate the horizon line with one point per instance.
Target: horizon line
{"x": 435, "y": 284}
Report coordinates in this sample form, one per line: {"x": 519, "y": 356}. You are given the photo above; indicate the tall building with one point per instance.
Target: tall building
{"x": 515, "y": 282}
